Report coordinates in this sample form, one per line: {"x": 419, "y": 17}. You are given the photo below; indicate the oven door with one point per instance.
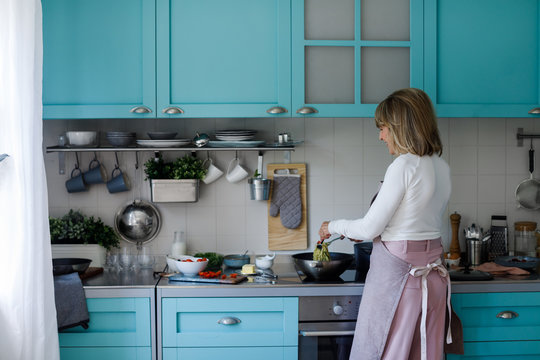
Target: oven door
{"x": 330, "y": 340}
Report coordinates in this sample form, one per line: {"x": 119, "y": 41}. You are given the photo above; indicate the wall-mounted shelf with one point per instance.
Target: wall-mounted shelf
{"x": 193, "y": 149}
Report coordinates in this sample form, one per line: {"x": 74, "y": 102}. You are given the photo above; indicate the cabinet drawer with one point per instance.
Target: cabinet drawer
{"x": 117, "y": 353}
{"x": 507, "y": 350}
{"x": 114, "y": 322}
{"x": 237, "y": 353}
{"x": 193, "y": 322}
{"x": 478, "y": 313}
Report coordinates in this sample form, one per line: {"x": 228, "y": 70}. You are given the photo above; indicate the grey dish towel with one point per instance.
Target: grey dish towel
{"x": 71, "y": 309}
{"x": 286, "y": 200}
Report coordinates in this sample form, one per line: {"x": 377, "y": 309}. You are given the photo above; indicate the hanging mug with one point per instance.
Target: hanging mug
{"x": 118, "y": 182}
{"x": 96, "y": 174}
{"x": 236, "y": 173}
{"x": 213, "y": 172}
{"x": 76, "y": 182}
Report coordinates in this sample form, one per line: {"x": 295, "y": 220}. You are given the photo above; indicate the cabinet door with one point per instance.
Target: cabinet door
{"x": 223, "y": 58}
{"x": 116, "y": 353}
{"x": 482, "y": 57}
{"x": 98, "y": 58}
{"x": 236, "y": 353}
{"x": 348, "y": 55}
{"x": 114, "y": 322}
{"x": 504, "y": 350}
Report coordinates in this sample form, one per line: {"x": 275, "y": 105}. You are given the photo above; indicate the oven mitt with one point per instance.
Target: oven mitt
{"x": 286, "y": 200}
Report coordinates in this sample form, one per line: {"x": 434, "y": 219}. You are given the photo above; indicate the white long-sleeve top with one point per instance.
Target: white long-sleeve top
{"x": 409, "y": 205}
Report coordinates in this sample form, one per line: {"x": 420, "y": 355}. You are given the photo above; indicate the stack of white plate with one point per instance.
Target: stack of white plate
{"x": 235, "y": 135}
{"x": 121, "y": 138}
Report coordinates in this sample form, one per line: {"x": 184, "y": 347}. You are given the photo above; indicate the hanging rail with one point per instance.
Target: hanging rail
{"x": 520, "y": 136}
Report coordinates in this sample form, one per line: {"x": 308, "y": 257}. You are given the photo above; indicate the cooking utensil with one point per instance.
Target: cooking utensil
{"x": 63, "y": 266}
{"x": 330, "y": 241}
{"x": 528, "y": 191}
{"x": 201, "y": 140}
{"x": 322, "y": 270}
{"x": 138, "y": 222}
{"x": 467, "y": 274}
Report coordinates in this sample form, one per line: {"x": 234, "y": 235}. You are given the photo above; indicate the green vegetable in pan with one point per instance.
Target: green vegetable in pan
{"x": 321, "y": 252}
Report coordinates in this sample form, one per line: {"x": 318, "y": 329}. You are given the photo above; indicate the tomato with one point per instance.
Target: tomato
{"x": 187, "y": 260}
{"x": 200, "y": 260}
{"x": 223, "y": 276}
{"x": 234, "y": 275}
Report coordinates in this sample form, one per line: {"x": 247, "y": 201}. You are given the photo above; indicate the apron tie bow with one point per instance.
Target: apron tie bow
{"x": 423, "y": 271}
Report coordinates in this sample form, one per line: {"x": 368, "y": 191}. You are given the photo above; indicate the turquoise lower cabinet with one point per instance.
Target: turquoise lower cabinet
{"x": 119, "y": 327}
{"x": 244, "y": 327}
{"x": 499, "y": 325}
{"x": 237, "y": 353}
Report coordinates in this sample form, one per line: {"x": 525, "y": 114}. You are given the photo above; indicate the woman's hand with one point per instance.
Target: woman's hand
{"x": 323, "y": 231}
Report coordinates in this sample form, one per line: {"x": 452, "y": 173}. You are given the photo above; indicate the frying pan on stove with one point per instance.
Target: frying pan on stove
{"x": 322, "y": 270}
{"x": 528, "y": 191}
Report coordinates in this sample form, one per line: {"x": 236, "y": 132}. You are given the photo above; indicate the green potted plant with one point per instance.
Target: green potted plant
{"x": 176, "y": 181}
{"x": 78, "y": 235}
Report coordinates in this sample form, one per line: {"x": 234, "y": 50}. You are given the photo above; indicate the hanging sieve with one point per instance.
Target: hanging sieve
{"x": 528, "y": 191}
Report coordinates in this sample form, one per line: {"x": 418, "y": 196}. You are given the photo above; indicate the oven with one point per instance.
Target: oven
{"x": 326, "y": 326}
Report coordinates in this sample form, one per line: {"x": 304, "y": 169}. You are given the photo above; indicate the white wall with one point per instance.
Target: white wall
{"x": 345, "y": 162}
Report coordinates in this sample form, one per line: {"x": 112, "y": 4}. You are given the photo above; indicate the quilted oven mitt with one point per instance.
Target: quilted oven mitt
{"x": 286, "y": 200}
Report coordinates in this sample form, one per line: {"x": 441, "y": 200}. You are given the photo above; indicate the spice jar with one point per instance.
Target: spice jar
{"x": 525, "y": 238}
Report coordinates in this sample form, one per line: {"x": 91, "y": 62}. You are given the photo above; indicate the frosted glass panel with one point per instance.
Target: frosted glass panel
{"x": 383, "y": 71}
{"x": 385, "y": 20}
{"x": 329, "y": 20}
{"x": 329, "y": 75}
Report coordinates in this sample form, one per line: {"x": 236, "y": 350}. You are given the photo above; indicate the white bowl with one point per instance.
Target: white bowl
{"x": 82, "y": 138}
{"x": 264, "y": 262}
{"x": 171, "y": 262}
{"x": 190, "y": 268}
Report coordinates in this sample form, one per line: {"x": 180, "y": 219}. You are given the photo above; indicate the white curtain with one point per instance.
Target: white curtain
{"x": 27, "y": 309}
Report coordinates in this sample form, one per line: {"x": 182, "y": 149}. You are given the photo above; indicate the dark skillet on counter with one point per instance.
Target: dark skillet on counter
{"x": 63, "y": 266}
{"x": 323, "y": 270}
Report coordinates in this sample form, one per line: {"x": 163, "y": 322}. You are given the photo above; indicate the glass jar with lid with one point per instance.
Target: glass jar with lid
{"x": 525, "y": 238}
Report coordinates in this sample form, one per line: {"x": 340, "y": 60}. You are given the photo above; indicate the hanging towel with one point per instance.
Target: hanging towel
{"x": 286, "y": 200}
{"x": 71, "y": 309}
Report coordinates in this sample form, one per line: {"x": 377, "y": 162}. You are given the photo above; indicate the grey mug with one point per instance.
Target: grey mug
{"x": 118, "y": 183}
{"x": 76, "y": 182}
{"x": 95, "y": 174}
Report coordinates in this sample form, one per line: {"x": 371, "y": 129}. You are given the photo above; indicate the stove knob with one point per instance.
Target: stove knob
{"x": 338, "y": 309}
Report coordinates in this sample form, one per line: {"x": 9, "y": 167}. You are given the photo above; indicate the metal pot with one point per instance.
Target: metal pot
{"x": 138, "y": 222}
{"x": 63, "y": 266}
{"x": 323, "y": 270}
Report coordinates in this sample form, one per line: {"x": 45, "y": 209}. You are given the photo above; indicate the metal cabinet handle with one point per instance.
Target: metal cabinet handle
{"x": 171, "y": 110}
{"x": 276, "y": 110}
{"x": 229, "y": 320}
{"x": 327, "y": 333}
{"x": 140, "y": 110}
{"x": 507, "y": 314}
{"x": 307, "y": 110}
{"x": 535, "y": 110}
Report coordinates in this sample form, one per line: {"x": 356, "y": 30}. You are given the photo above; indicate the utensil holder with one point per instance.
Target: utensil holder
{"x": 259, "y": 188}
{"x": 477, "y": 251}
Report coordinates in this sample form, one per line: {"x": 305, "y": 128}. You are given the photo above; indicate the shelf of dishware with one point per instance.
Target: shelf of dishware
{"x": 192, "y": 148}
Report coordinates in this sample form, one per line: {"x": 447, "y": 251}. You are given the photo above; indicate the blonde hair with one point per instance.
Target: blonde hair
{"x": 411, "y": 121}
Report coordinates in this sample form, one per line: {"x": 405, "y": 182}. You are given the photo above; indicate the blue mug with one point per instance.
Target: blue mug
{"x": 76, "y": 182}
{"x": 96, "y": 174}
{"x": 118, "y": 183}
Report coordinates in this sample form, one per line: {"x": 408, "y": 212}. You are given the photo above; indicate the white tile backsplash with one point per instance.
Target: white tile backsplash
{"x": 345, "y": 163}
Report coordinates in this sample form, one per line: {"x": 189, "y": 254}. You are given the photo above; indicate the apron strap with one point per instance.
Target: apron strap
{"x": 424, "y": 271}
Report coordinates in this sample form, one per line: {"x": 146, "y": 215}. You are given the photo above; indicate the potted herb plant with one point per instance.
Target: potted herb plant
{"x": 78, "y": 235}
{"x": 176, "y": 181}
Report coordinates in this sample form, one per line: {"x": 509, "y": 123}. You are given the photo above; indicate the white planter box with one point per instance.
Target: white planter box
{"x": 185, "y": 190}
{"x": 96, "y": 253}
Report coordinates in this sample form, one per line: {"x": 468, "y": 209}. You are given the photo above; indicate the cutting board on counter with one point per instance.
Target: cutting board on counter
{"x": 217, "y": 280}
{"x": 279, "y": 237}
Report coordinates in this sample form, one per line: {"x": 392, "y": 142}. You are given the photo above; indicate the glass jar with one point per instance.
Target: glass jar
{"x": 525, "y": 238}
{"x": 179, "y": 246}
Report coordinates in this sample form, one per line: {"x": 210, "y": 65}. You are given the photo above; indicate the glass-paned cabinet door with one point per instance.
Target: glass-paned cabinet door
{"x": 348, "y": 55}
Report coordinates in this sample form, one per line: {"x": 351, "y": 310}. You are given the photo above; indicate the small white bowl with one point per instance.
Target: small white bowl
{"x": 264, "y": 262}
{"x": 82, "y": 138}
{"x": 452, "y": 262}
{"x": 190, "y": 268}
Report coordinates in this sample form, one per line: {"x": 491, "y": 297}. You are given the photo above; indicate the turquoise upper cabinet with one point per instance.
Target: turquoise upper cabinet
{"x": 348, "y": 55}
{"x": 220, "y": 58}
{"x": 482, "y": 57}
{"x": 98, "y": 58}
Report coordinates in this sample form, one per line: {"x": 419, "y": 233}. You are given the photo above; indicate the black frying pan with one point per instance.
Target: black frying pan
{"x": 69, "y": 265}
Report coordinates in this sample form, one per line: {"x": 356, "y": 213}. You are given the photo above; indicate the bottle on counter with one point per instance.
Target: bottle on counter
{"x": 179, "y": 246}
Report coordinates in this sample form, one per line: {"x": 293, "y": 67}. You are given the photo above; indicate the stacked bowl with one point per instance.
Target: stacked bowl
{"x": 121, "y": 138}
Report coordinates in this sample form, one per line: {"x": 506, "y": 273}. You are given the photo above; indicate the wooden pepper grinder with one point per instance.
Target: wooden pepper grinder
{"x": 455, "y": 251}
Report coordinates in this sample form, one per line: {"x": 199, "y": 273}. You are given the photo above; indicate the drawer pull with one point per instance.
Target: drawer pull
{"x": 140, "y": 110}
{"x": 171, "y": 110}
{"x": 507, "y": 314}
{"x": 306, "y": 110}
{"x": 535, "y": 110}
{"x": 229, "y": 320}
{"x": 276, "y": 110}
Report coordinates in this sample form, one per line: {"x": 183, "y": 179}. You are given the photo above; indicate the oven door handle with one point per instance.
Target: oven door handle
{"x": 326, "y": 333}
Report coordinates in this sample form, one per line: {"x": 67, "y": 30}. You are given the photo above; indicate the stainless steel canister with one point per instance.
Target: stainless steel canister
{"x": 476, "y": 248}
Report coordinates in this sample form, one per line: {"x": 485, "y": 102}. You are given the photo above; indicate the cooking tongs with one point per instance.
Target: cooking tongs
{"x": 320, "y": 242}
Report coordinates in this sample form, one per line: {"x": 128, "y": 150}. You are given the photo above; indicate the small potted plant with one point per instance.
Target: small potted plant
{"x": 259, "y": 187}
{"x": 78, "y": 235}
{"x": 176, "y": 181}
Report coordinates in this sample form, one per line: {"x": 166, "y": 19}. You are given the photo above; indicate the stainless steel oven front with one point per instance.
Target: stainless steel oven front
{"x": 326, "y": 326}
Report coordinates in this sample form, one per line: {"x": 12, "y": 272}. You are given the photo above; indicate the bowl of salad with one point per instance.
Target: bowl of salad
{"x": 191, "y": 265}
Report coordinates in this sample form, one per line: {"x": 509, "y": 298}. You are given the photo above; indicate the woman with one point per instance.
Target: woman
{"x": 402, "y": 313}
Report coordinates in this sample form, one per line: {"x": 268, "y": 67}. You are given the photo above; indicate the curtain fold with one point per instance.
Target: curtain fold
{"x": 27, "y": 309}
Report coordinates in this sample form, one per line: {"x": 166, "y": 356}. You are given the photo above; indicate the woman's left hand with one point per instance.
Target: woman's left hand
{"x": 323, "y": 231}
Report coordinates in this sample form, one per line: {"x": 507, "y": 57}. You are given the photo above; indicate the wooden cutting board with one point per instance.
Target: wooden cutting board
{"x": 218, "y": 280}
{"x": 279, "y": 237}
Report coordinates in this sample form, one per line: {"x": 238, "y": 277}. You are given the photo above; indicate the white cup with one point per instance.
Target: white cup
{"x": 213, "y": 172}
{"x": 237, "y": 172}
